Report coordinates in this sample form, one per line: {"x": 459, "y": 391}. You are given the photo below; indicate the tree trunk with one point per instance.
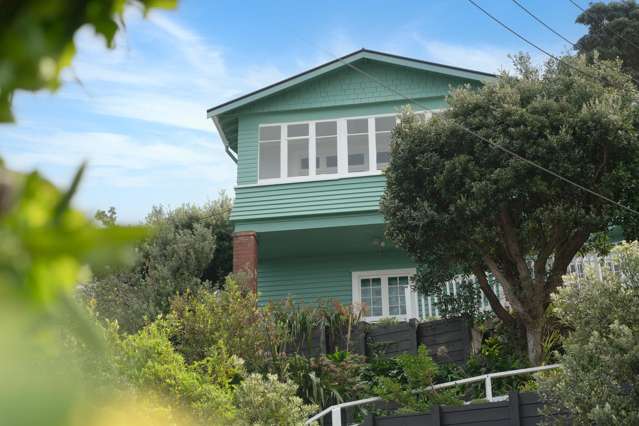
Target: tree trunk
{"x": 534, "y": 338}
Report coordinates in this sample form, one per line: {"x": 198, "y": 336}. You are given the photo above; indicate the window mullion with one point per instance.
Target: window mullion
{"x": 342, "y": 148}
{"x": 284, "y": 152}
{"x": 385, "y": 303}
{"x": 312, "y": 150}
{"x": 372, "y": 146}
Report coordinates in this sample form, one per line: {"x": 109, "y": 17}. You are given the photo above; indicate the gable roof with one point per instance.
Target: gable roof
{"x": 339, "y": 62}
{"x": 227, "y": 124}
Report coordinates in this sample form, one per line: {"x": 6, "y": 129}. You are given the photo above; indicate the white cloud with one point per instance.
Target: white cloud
{"x": 482, "y": 58}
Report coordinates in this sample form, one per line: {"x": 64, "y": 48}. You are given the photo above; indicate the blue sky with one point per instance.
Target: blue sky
{"x": 139, "y": 115}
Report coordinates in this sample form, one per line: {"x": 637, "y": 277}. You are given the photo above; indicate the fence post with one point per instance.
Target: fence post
{"x": 336, "y": 416}
{"x": 436, "y": 415}
{"x": 489, "y": 388}
{"x": 513, "y": 408}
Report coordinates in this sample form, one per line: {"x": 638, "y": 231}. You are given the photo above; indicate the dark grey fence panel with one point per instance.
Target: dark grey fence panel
{"x": 313, "y": 345}
{"x": 446, "y": 340}
{"x": 392, "y": 339}
{"x": 338, "y": 339}
{"x": 520, "y": 409}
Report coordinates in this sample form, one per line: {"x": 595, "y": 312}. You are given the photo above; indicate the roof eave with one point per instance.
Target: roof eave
{"x": 344, "y": 60}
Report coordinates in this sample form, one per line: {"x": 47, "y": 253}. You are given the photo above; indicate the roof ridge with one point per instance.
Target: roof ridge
{"x": 341, "y": 59}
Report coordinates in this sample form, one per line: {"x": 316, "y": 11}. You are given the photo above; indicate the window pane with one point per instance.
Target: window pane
{"x": 357, "y": 153}
{"x": 295, "y": 130}
{"x": 359, "y": 125}
{"x": 385, "y": 124}
{"x": 397, "y": 295}
{"x": 372, "y": 295}
{"x": 270, "y": 133}
{"x": 382, "y": 141}
{"x": 298, "y": 157}
{"x": 269, "y": 160}
{"x": 326, "y": 162}
{"x": 328, "y": 128}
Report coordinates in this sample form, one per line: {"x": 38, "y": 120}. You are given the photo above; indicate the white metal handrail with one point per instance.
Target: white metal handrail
{"x": 336, "y": 410}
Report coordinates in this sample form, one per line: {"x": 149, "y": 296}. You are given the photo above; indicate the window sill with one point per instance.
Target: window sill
{"x": 282, "y": 181}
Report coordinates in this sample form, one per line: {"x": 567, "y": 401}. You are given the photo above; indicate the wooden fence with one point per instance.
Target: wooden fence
{"x": 521, "y": 409}
{"x": 446, "y": 340}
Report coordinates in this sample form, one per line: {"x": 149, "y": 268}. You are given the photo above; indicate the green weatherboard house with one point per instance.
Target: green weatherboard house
{"x": 312, "y": 229}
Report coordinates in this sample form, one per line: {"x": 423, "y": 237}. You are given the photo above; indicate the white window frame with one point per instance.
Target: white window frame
{"x": 342, "y": 150}
{"x": 384, "y": 274}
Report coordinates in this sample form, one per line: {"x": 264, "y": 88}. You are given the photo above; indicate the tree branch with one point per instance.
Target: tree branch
{"x": 513, "y": 247}
{"x": 508, "y": 288}
{"x": 493, "y": 300}
{"x": 563, "y": 258}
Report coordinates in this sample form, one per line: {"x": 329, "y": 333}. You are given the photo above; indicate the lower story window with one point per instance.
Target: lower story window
{"x": 382, "y": 294}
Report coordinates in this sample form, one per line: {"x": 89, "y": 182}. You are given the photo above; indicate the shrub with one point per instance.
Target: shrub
{"x": 599, "y": 381}
{"x": 148, "y": 362}
{"x": 408, "y": 387}
{"x": 329, "y": 379}
{"x": 202, "y": 318}
{"x": 267, "y": 401}
{"x": 190, "y": 248}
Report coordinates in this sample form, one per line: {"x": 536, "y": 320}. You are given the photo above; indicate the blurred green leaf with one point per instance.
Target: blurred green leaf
{"x": 36, "y": 39}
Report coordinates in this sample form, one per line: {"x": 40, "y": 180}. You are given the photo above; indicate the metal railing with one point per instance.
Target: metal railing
{"x": 336, "y": 410}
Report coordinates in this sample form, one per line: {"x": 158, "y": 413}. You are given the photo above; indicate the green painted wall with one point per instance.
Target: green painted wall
{"x": 337, "y": 94}
{"x": 354, "y": 194}
{"x": 346, "y": 86}
{"x": 309, "y": 279}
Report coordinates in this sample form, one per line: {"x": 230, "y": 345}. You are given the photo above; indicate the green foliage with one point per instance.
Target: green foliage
{"x": 36, "y": 39}
{"x": 408, "y": 388}
{"x": 328, "y": 379}
{"x": 599, "y": 381}
{"x": 263, "y": 401}
{"x": 457, "y": 205}
{"x": 106, "y": 218}
{"x": 148, "y": 361}
{"x": 613, "y": 32}
{"x": 190, "y": 248}
{"x": 45, "y": 245}
{"x": 465, "y": 303}
{"x": 201, "y": 319}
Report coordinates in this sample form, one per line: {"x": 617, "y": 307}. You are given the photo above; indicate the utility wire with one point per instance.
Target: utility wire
{"x": 525, "y": 9}
{"x": 472, "y": 132}
{"x": 607, "y": 28}
{"x": 536, "y": 18}
{"x": 577, "y": 5}
{"x": 524, "y": 39}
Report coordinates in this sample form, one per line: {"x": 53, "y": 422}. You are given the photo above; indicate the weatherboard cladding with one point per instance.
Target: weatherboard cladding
{"x": 339, "y": 93}
{"x": 311, "y": 279}
{"x": 346, "y": 86}
{"x": 352, "y": 194}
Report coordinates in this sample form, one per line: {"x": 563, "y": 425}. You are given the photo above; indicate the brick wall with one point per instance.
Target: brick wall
{"x": 245, "y": 257}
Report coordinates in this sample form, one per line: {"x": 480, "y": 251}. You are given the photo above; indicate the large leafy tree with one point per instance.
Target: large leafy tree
{"x": 458, "y": 205}
{"x": 190, "y": 248}
{"x": 613, "y": 31}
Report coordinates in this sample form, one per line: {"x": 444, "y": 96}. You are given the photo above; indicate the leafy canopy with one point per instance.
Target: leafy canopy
{"x": 613, "y": 32}
{"x": 190, "y": 248}
{"x": 458, "y": 206}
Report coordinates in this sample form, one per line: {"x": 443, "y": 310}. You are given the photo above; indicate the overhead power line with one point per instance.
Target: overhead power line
{"x": 472, "y": 132}
{"x": 536, "y": 18}
{"x": 525, "y": 9}
{"x": 524, "y": 39}
{"x": 577, "y": 5}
